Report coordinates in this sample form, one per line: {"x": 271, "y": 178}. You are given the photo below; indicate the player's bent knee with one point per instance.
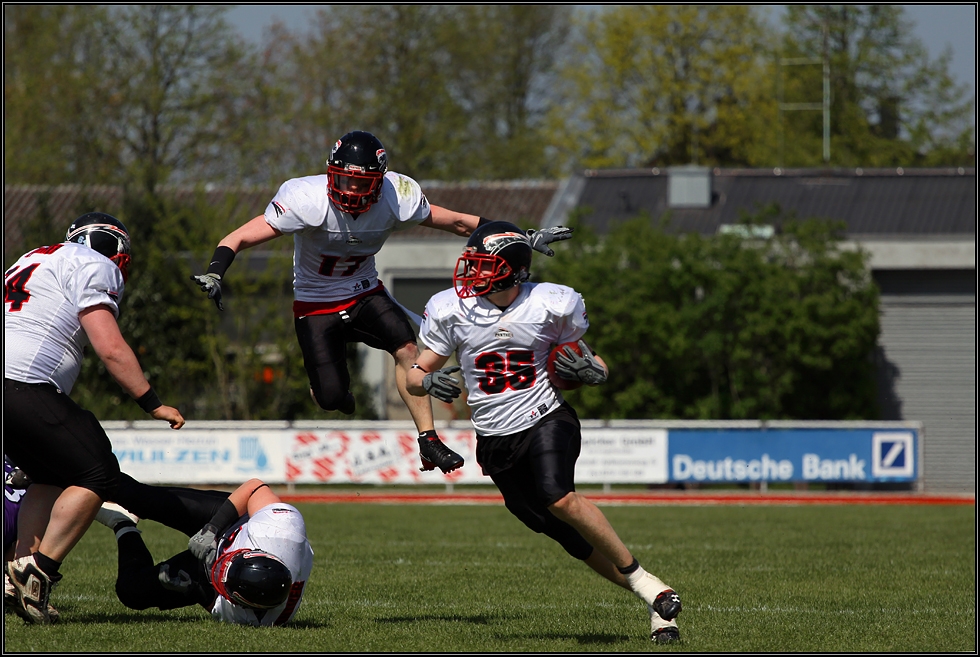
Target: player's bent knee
{"x": 104, "y": 483}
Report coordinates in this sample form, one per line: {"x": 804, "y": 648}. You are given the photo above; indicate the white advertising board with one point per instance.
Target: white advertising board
{"x": 188, "y": 456}
{"x": 622, "y": 456}
{"x": 357, "y": 456}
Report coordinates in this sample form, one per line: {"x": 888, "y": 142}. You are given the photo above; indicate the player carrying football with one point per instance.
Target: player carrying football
{"x": 502, "y": 329}
{"x": 339, "y": 221}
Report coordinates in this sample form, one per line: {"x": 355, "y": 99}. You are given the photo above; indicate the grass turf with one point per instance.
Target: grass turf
{"x": 473, "y": 579}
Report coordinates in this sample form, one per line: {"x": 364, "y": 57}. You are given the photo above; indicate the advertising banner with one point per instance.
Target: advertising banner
{"x": 609, "y": 455}
{"x": 807, "y": 455}
{"x": 618, "y": 456}
{"x": 221, "y": 456}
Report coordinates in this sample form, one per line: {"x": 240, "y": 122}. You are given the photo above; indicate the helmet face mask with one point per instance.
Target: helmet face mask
{"x": 496, "y": 258}
{"x": 105, "y": 234}
{"x": 252, "y": 579}
{"x": 355, "y": 171}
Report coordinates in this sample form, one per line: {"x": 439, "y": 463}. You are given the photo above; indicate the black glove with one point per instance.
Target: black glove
{"x": 204, "y": 544}
{"x": 181, "y": 582}
{"x": 585, "y": 368}
{"x": 540, "y": 239}
{"x": 442, "y": 386}
{"x": 211, "y": 283}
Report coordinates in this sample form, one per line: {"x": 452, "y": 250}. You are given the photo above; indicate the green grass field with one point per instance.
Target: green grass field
{"x": 471, "y": 578}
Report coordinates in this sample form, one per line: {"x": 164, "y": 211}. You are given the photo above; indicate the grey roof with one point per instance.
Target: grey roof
{"x": 875, "y": 202}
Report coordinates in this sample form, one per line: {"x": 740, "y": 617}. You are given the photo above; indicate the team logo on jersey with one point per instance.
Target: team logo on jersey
{"x": 494, "y": 243}
{"x": 503, "y": 334}
{"x": 280, "y": 210}
{"x": 425, "y": 202}
{"x": 353, "y": 239}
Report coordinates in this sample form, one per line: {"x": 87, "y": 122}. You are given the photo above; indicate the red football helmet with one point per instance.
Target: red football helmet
{"x": 355, "y": 171}
{"x": 497, "y": 257}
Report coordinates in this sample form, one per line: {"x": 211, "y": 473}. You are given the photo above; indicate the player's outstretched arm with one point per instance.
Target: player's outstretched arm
{"x": 245, "y": 236}
{"x": 451, "y": 221}
{"x": 103, "y": 333}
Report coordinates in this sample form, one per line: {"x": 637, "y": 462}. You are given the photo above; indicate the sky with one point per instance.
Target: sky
{"x": 935, "y": 25}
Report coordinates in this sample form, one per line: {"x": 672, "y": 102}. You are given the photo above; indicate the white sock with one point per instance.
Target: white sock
{"x": 645, "y": 585}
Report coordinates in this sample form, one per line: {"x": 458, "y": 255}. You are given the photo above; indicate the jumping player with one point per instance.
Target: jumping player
{"x": 247, "y": 562}
{"x": 339, "y": 221}
{"x": 502, "y": 329}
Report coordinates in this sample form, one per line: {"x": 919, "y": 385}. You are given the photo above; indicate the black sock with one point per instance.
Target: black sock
{"x": 123, "y": 523}
{"x": 47, "y": 565}
{"x": 630, "y": 568}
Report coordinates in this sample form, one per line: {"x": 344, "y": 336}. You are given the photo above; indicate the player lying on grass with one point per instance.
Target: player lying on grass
{"x": 247, "y": 562}
{"x": 502, "y": 328}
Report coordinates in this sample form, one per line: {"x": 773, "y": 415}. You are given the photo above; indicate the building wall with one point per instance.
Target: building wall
{"x": 927, "y": 367}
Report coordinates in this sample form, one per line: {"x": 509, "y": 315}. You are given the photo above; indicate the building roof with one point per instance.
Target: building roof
{"x": 918, "y": 203}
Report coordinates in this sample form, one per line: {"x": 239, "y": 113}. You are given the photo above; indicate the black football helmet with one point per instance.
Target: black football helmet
{"x": 355, "y": 171}
{"x": 105, "y": 234}
{"x": 496, "y": 258}
{"x": 252, "y": 578}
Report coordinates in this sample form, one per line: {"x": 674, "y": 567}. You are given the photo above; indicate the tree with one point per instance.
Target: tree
{"x": 53, "y": 105}
{"x": 176, "y": 70}
{"x": 504, "y": 60}
{"x": 666, "y": 84}
{"x": 454, "y": 92}
{"x": 890, "y": 104}
{"x": 719, "y": 327}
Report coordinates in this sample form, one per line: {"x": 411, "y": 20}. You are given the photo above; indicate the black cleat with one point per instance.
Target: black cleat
{"x": 348, "y": 405}
{"x": 434, "y": 453}
{"x": 666, "y": 635}
{"x": 667, "y": 605}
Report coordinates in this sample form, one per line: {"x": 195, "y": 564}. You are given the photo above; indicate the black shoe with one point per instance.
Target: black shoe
{"x": 347, "y": 406}
{"x": 434, "y": 452}
{"x": 667, "y": 604}
{"x": 666, "y": 635}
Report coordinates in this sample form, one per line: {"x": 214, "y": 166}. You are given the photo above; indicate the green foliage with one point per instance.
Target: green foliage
{"x": 665, "y": 84}
{"x": 473, "y": 579}
{"x": 890, "y": 104}
{"x": 240, "y": 364}
{"x": 722, "y": 327}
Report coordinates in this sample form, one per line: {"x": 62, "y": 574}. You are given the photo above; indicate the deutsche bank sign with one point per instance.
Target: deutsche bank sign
{"x": 892, "y": 455}
{"x": 791, "y": 454}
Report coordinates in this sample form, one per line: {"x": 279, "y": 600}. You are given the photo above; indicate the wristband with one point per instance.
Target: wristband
{"x": 416, "y": 366}
{"x": 224, "y": 516}
{"x": 149, "y": 402}
{"x": 483, "y": 222}
{"x": 221, "y": 261}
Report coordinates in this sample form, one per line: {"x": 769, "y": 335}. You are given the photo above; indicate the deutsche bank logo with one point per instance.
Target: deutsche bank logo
{"x": 892, "y": 455}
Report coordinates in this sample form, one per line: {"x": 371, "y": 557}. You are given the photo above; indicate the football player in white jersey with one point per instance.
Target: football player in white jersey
{"x": 502, "y": 329}
{"x": 339, "y": 221}
{"x": 55, "y": 298}
{"x": 247, "y": 562}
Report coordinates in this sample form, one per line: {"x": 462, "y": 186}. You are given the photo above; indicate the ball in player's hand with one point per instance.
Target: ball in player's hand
{"x": 556, "y": 380}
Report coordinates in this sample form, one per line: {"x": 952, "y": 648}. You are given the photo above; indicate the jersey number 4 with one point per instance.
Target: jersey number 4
{"x": 512, "y": 369}
{"x": 15, "y": 290}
